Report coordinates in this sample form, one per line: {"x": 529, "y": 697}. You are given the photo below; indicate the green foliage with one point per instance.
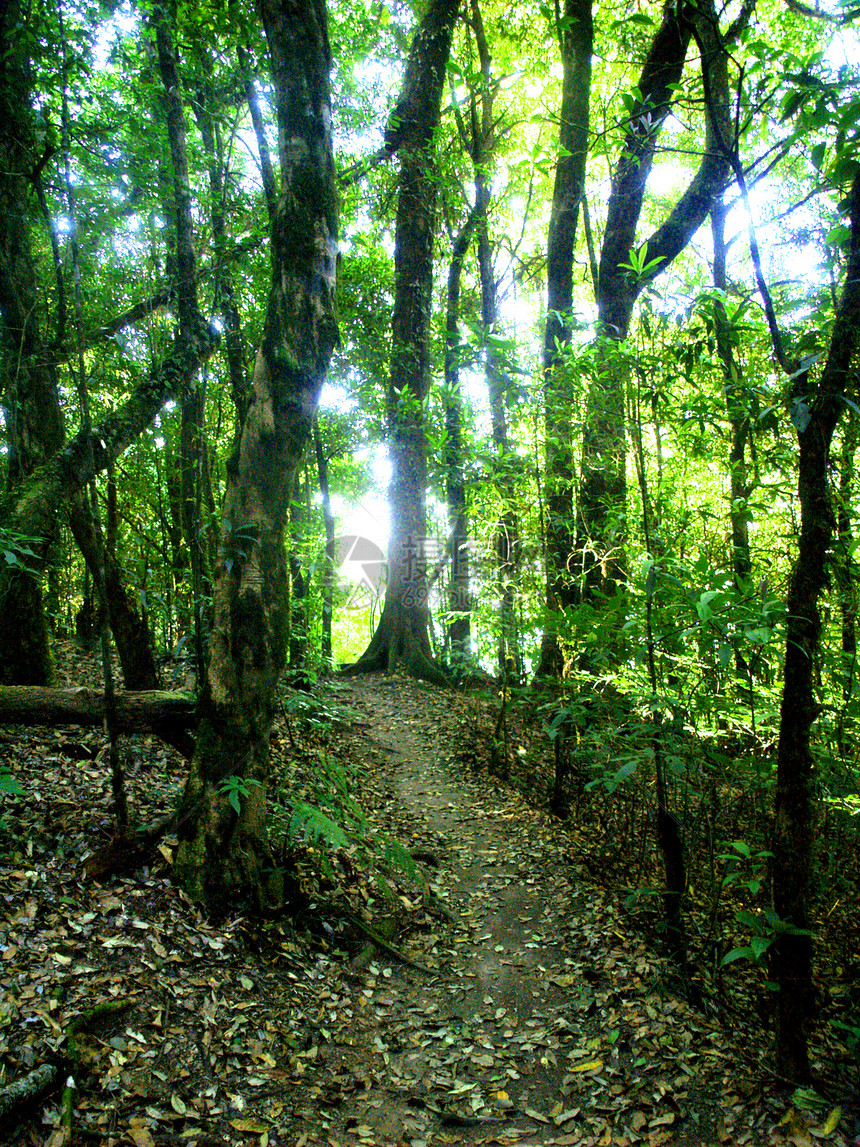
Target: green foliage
{"x": 323, "y": 816}
{"x": 764, "y": 927}
{"x": 236, "y": 789}
{"x": 18, "y": 550}
{"x": 745, "y": 866}
{"x": 9, "y": 786}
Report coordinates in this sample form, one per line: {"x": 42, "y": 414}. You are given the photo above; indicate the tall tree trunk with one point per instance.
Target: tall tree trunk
{"x": 576, "y": 39}
{"x": 223, "y": 857}
{"x": 34, "y": 421}
{"x": 193, "y": 398}
{"x": 402, "y": 636}
{"x": 507, "y": 530}
{"x": 794, "y": 805}
{"x": 844, "y": 565}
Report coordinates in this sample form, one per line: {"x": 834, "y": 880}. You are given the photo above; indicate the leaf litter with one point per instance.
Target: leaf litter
{"x": 540, "y": 1017}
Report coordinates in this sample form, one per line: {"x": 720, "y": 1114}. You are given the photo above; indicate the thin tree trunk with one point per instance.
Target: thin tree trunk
{"x": 225, "y": 293}
{"x": 738, "y": 415}
{"x": 330, "y": 545}
{"x": 459, "y": 628}
{"x": 193, "y": 397}
{"x": 794, "y": 802}
{"x": 844, "y": 564}
{"x": 298, "y": 593}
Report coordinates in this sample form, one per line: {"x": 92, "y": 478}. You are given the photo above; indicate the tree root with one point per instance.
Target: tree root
{"x": 384, "y": 945}
{"x": 127, "y": 850}
{"x": 30, "y": 1088}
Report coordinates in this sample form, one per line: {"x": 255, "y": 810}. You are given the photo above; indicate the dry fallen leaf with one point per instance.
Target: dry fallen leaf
{"x": 254, "y": 1125}
{"x": 589, "y": 1065}
{"x": 139, "y": 1132}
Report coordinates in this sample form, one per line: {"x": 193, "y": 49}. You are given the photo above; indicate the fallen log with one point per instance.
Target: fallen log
{"x": 169, "y": 716}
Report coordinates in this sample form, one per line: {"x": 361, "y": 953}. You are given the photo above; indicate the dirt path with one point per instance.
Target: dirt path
{"x": 543, "y": 1021}
{"x": 542, "y": 1016}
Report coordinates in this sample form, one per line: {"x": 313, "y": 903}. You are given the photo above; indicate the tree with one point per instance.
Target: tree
{"x": 576, "y": 39}
{"x": 794, "y": 832}
{"x": 402, "y": 636}
{"x": 624, "y": 270}
{"x": 223, "y": 850}
{"x": 51, "y": 474}
{"x": 35, "y": 425}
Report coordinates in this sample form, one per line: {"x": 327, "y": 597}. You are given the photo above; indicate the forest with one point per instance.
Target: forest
{"x": 428, "y": 550}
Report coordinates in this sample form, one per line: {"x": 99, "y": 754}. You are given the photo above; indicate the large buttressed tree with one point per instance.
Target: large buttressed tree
{"x": 402, "y": 636}
{"x": 223, "y": 853}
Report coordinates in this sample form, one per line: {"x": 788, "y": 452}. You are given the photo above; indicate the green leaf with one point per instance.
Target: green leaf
{"x": 8, "y": 784}
{"x": 760, "y": 945}
{"x": 736, "y": 954}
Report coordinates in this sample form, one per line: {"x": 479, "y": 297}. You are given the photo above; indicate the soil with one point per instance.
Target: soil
{"x": 512, "y": 1001}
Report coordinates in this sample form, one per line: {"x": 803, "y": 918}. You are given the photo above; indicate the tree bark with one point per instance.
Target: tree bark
{"x": 577, "y": 42}
{"x": 168, "y": 715}
{"x": 459, "y": 627}
{"x": 223, "y": 858}
{"x": 35, "y": 430}
{"x": 402, "y": 636}
{"x": 794, "y": 804}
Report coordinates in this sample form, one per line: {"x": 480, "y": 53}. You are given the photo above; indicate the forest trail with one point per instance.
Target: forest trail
{"x": 541, "y": 1015}
{"x": 543, "y": 1021}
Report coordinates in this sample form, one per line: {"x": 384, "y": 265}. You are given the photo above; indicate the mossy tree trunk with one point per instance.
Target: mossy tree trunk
{"x": 29, "y": 383}
{"x": 402, "y": 636}
{"x": 223, "y": 857}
